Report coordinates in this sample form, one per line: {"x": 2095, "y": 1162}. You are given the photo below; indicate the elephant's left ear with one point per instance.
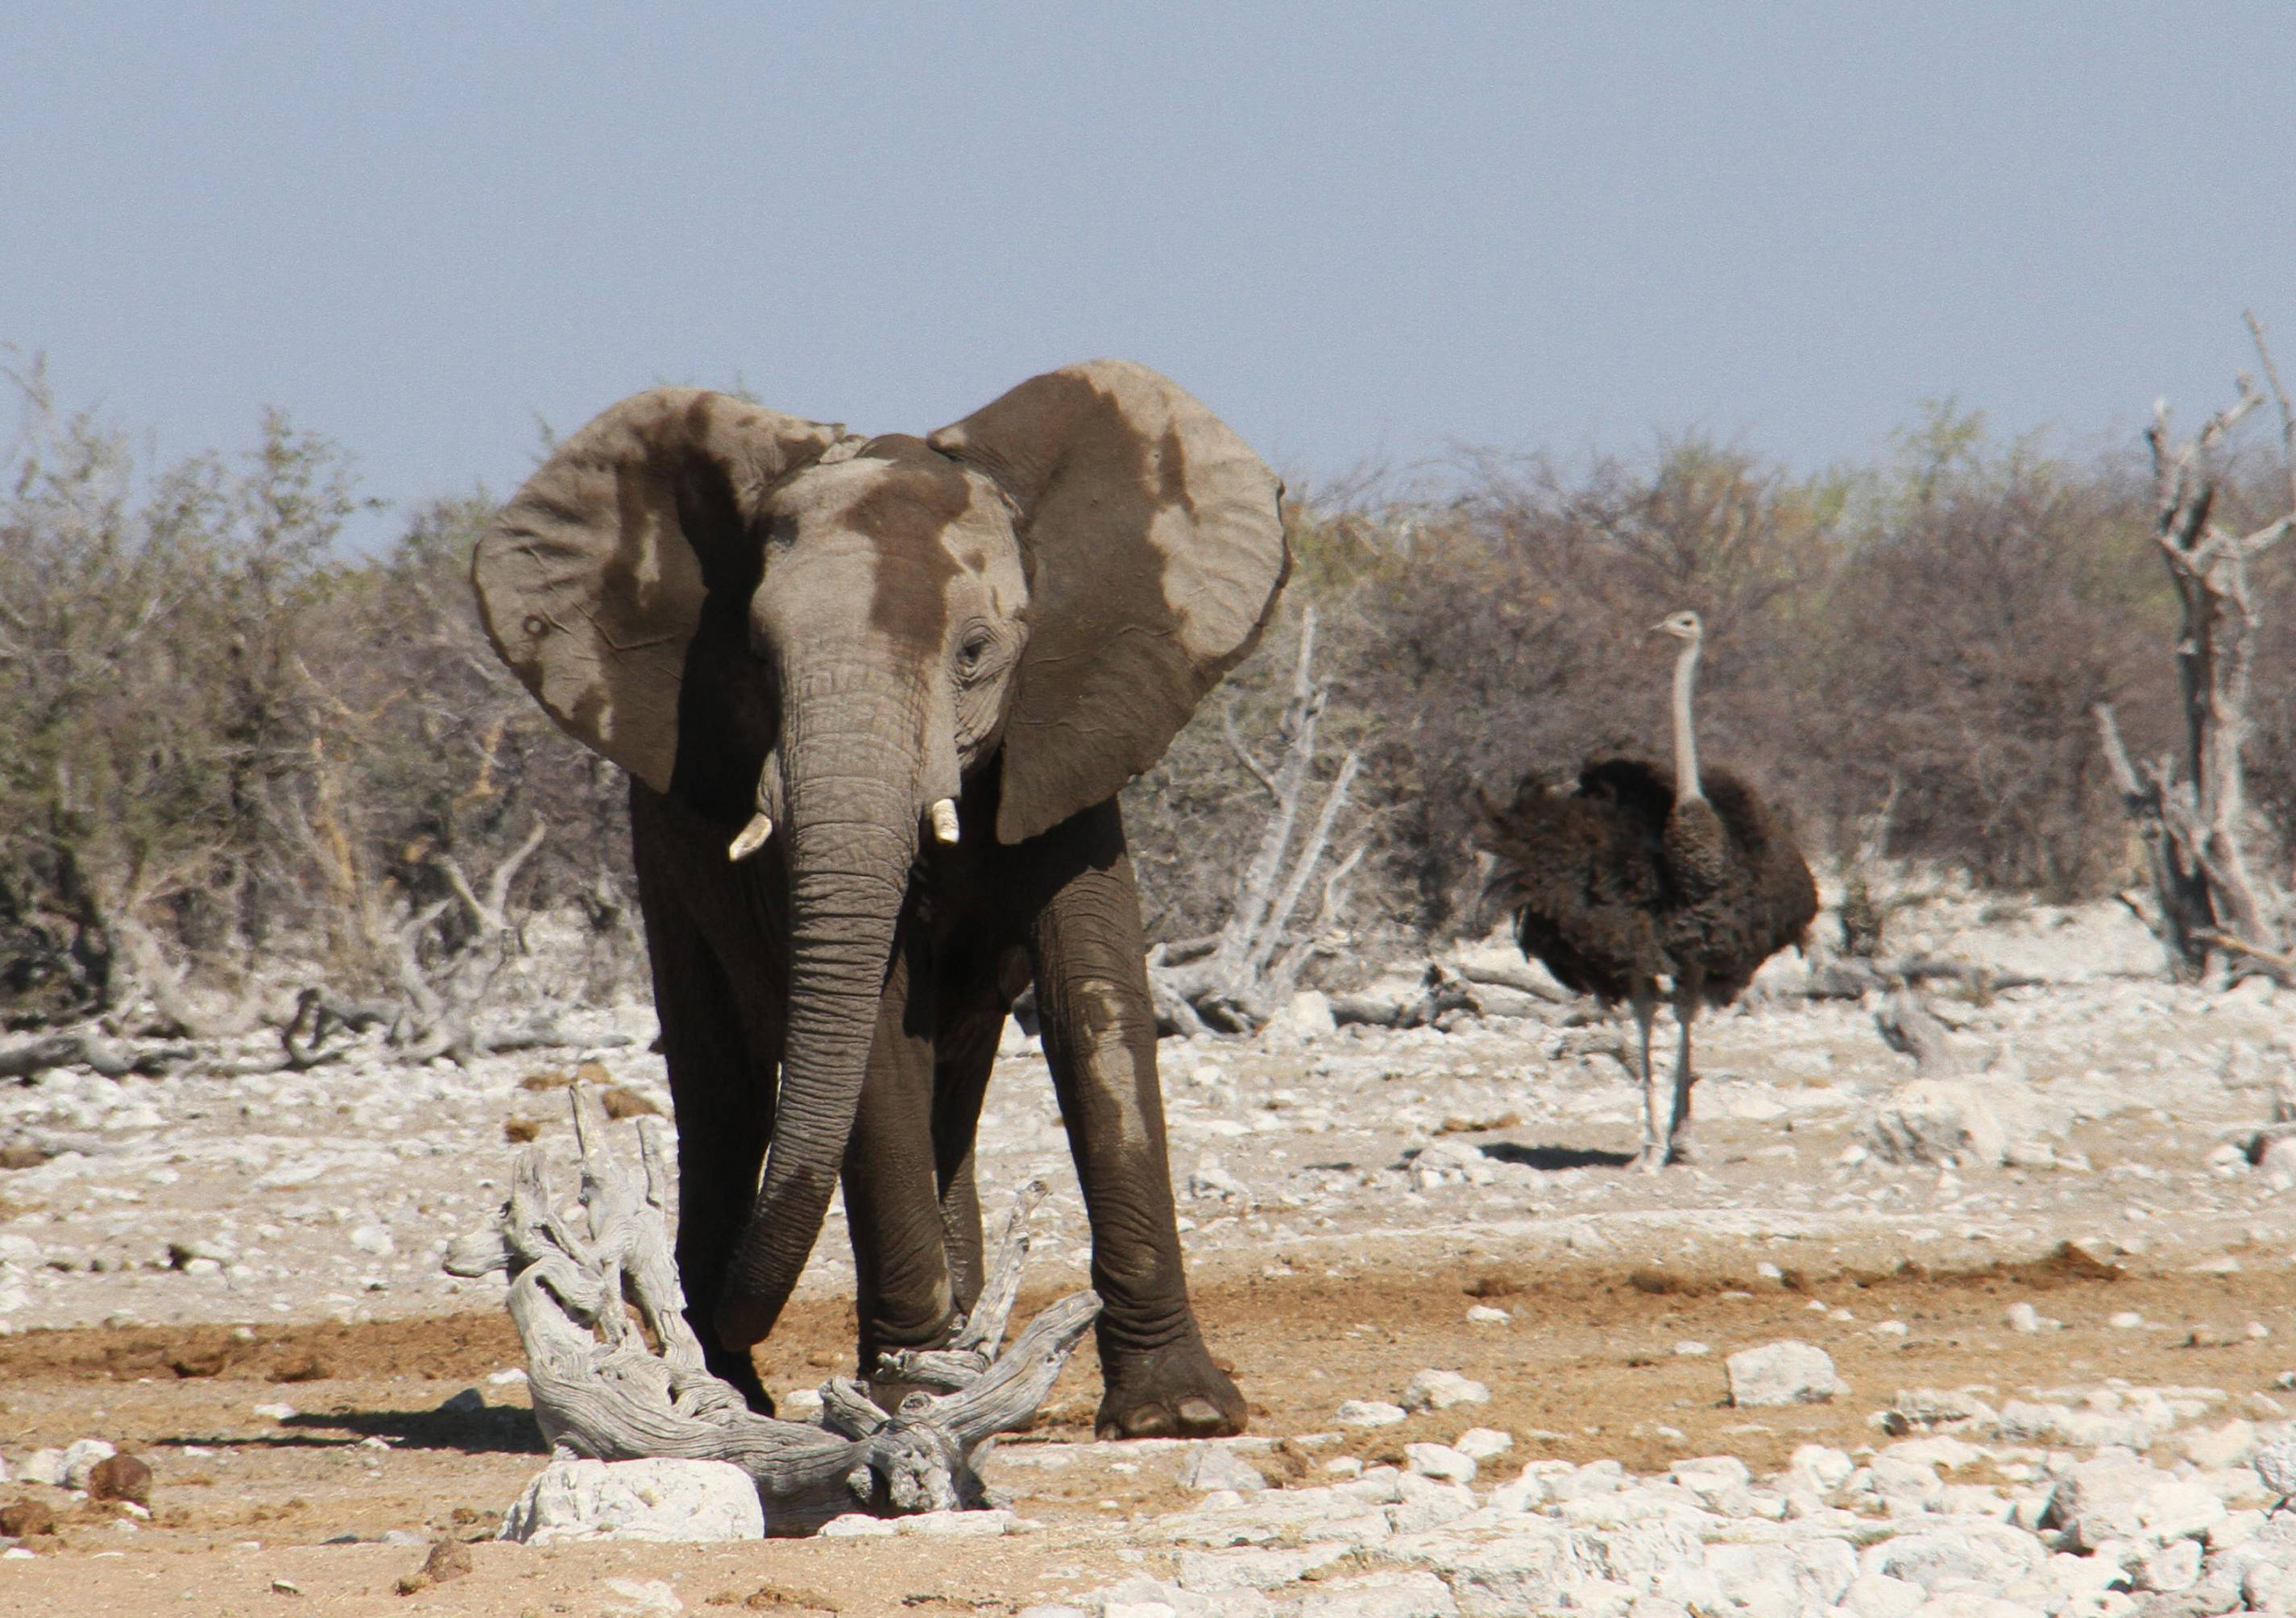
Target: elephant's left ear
{"x": 1154, "y": 544}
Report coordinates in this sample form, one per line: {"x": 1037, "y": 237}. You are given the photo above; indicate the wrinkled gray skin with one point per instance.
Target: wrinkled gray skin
{"x": 860, "y": 652}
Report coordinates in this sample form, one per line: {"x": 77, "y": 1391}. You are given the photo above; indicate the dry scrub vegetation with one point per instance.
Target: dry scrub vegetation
{"x": 234, "y": 756}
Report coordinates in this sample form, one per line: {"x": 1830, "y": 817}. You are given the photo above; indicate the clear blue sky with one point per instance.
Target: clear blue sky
{"x": 1360, "y": 233}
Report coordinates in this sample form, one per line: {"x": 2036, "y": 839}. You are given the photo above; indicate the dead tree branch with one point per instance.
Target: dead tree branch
{"x": 2196, "y": 824}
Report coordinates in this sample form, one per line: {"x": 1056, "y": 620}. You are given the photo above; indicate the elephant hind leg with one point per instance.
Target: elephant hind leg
{"x": 964, "y": 1053}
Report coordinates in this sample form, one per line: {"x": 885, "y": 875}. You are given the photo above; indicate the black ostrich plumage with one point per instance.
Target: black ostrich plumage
{"x": 1612, "y": 882}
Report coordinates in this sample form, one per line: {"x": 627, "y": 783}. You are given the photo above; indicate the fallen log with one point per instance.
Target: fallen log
{"x": 599, "y": 1392}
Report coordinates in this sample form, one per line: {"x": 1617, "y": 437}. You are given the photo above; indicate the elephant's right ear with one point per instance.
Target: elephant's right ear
{"x": 592, "y": 579}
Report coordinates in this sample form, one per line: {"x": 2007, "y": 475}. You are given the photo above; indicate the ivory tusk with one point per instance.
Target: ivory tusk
{"x": 944, "y": 819}
{"x": 752, "y": 837}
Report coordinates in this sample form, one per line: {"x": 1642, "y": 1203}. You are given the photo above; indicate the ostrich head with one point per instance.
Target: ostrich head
{"x": 1684, "y": 626}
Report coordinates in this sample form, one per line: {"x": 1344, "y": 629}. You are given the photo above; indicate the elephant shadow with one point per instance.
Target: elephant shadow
{"x": 1554, "y": 1159}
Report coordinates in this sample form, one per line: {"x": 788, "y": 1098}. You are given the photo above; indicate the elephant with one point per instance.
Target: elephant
{"x": 875, "y": 697}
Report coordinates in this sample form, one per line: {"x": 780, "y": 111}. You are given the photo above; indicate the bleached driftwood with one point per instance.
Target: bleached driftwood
{"x": 599, "y": 1392}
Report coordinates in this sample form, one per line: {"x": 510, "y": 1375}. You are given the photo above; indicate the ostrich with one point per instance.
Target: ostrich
{"x": 1644, "y": 874}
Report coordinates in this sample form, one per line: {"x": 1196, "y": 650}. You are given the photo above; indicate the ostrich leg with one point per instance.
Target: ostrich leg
{"x": 1687, "y": 992}
{"x": 1652, "y": 1157}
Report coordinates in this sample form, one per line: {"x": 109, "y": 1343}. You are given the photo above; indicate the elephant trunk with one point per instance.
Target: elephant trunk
{"x": 850, "y": 792}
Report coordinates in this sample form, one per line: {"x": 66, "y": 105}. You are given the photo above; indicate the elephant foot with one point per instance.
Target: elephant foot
{"x": 735, "y": 1366}
{"x": 1168, "y": 1392}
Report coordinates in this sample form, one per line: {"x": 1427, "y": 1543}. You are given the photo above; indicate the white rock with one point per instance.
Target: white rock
{"x": 2117, "y": 1497}
{"x": 20, "y": 1249}
{"x": 1415, "y": 1594}
{"x": 509, "y": 1376}
{"x": 1825, "y": 1468}
{"x": 1481, "y": 1444}
{"x": 2217, "y": 1448}
{"x": 2276, "y": 1463}
{"x": 641, "y": 1599}
{"x": 274, "y": 1412}
{"x": 1483, "y": 1314}
{"x": 1439, "y": 1461}
{"x": 2175, "y": 1566}
{"x": 1783, "y": 1373}
{"x": 1433, "y": 1390}
{"x": 856, "y": 1526}
{"x": 1992, "y": 1555}
{"x": 1306, "y": 1015}
{"x": 660, "y": 1499}
{"x": 374, "y": 1239}
{"x": 1690, "y": 1348}
{"x": 799, "y": 1404}
{"x": 1879, "y": 1596}
{"x": 1369, "y": 1413}
{"x": 1423, "y": 1503}
{"x": 955, "y": 1524}
{"x": 2024, "y": 1317}
{"x": 1944, "y": 1120}
{"x": 79, "y": 1460}
{"x": 1217, "y": 1467}
{"x": 2270, "y": 1587}
{"x": 45, "y": 1467}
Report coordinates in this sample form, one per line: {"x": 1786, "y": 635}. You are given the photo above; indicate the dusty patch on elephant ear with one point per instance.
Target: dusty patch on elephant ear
{"x": 592, "y": 580}
{"x": 1155, "y": 551}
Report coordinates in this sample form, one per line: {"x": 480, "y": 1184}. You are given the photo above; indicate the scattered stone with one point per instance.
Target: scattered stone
{"x": 1369, "y": 1413}
{"x": 1939, "y": 1120}
{"x": 448, "y": 1559}
{"x": 2024, "y": 1317}
{"x": 1439, "y": 1461}
{"x": 44, "y": 1466}
{"x": 1690, "y": 1348}
{"x": 20, "y": 1519}
{"x": 373, "y": 1240}
{"x": 2220, "y": 1448}
{"x": 1208, "y": 1467}
{"x": 470, "y": 1401}
{"x": 80, "y": 1457}
{"x": 1480, "y": 1443}
{"x": 643, "y": 1598}
{"x": 1433, "y": 1390}
{"x": 1483, "y": 1314}
{"x": 2276, "y": 1463}
{"x": 121, "y": 1478}
{"x": 2175, "y": 1566}
{"x": 2115, "y": 1496}
{"x": 1788, "y": 1372}
{"x": 276, "y": 1412}
{"x": 661, "y": 1499}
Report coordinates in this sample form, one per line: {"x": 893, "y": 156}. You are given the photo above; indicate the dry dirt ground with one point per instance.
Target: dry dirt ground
{"x": 200, "y": 1247}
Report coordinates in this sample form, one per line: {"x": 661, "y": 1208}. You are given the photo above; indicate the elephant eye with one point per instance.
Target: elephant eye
{"x": 976, "y": 647}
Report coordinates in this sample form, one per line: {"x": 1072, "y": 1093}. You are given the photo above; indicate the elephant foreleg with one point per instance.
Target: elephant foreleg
{"x": 720, "y": 1049}
{"x": 905, "y": 1297}
{"x": 1100, "y": 1041}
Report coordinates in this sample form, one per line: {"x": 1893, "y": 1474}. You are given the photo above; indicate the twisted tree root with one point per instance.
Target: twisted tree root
{"x": 599, "y": 1392}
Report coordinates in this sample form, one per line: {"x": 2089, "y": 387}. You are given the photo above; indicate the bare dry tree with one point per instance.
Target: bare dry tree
{"x": 1236, "y": 978}
{"x": 2210, "y": 901}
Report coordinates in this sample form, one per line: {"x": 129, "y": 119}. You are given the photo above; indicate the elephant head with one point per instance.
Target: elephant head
{"x": 805, "y": 634}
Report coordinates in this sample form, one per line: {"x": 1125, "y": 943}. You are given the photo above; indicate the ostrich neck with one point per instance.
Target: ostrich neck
{"x": 1685, "y": 735}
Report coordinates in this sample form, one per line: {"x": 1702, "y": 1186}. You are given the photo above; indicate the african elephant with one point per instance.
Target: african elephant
{"x": 876, "y": 696}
